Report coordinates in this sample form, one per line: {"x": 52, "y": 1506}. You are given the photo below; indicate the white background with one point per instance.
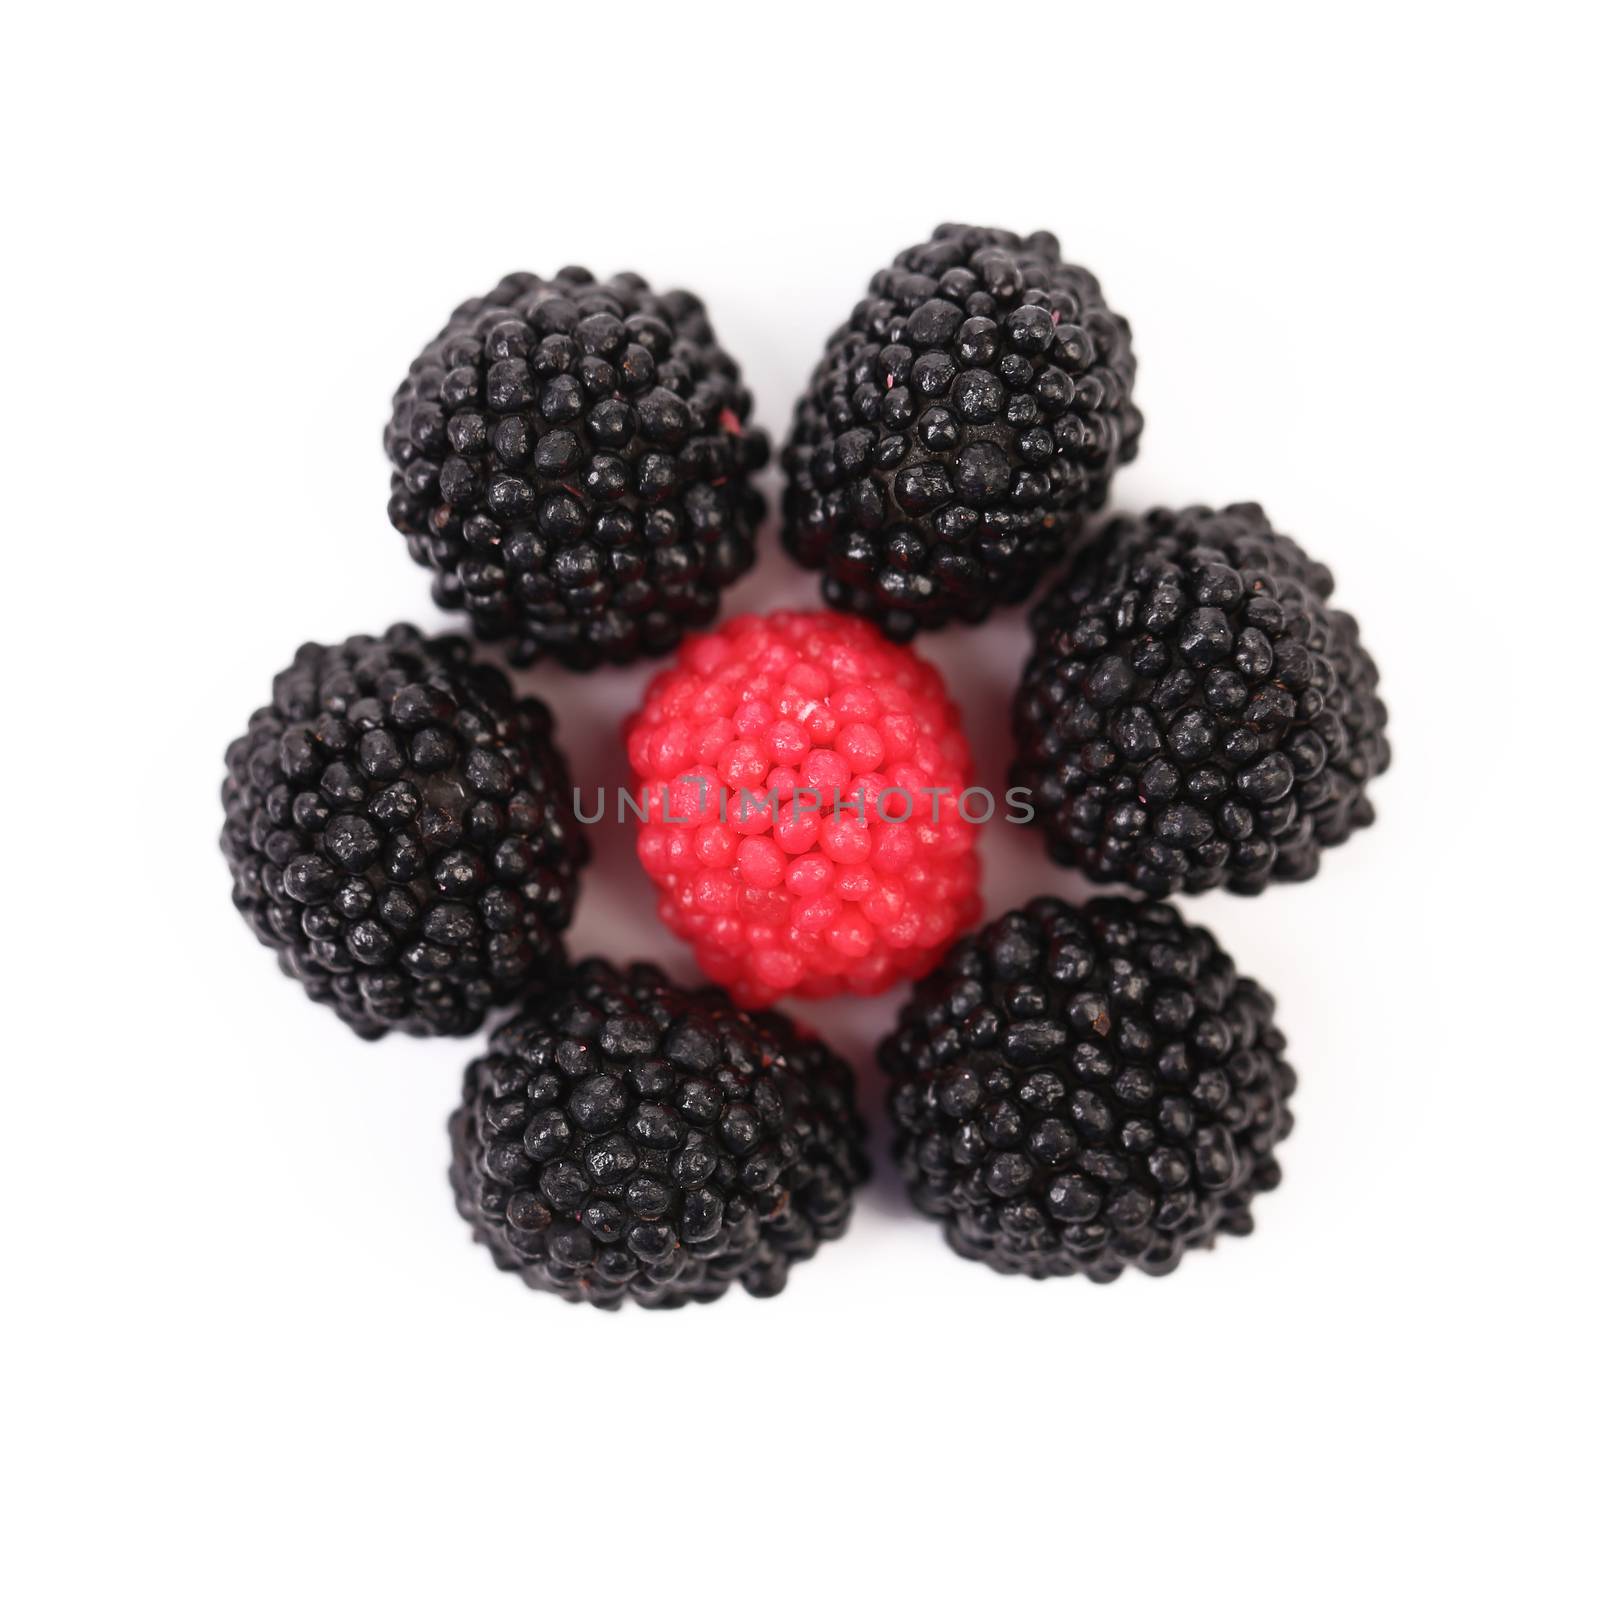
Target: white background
{"x": 249, "y": 1346}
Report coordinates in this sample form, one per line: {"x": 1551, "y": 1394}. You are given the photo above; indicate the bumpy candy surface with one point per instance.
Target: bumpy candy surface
{"x": 626, "y": 1139}
{"x": 957, "y": 429}
{"x": 1195, "y": 713}
{"x": 572, "y": 459}
{"x": 802, "y": 779}
{"x": 399, "y": 828}
{"x": 1084, "y": 1089}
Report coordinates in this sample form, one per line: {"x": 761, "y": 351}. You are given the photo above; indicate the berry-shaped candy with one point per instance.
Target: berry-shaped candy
{"x": 807, "y": 814}
{"x": 1195, "y": 713}
{"x": 572, "y": 460}
{"x": 956, "y": 430}
{"x": 627, "y": 1139}
{"x": 1081, "y": 1090}
{"x": 400, "y": 831}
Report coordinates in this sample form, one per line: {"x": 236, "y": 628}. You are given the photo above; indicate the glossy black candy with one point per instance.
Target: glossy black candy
{"x": 627, "y": 1139}
{"x": 399, "y": 829}
{"x": 1083, "y": 1090}
{"x": 956, "y": 429}
{"x": 1194, "y": 713}
{"x": 573, "y": 462}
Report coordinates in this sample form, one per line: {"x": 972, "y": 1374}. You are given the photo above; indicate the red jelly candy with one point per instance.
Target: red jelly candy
{"x": 801, "y": 780}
